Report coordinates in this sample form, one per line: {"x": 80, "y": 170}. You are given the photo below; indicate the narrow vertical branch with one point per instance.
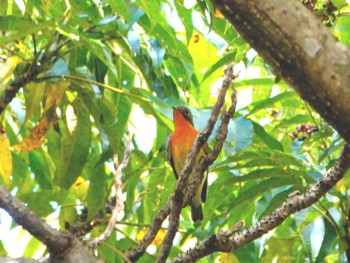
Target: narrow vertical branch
{"x": 214, "y": 153}
{"x": 179, "y": 196}
{"x": 119, "y": 203}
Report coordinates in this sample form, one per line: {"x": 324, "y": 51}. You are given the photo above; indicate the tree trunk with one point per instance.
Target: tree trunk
{"x": 301, "y": 50}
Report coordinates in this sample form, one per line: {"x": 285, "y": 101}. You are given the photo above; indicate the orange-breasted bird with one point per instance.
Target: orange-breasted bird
{"x": 180, "y": 143}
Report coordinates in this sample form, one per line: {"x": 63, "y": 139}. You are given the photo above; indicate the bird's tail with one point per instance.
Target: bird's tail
{"x": 196, "y": 212}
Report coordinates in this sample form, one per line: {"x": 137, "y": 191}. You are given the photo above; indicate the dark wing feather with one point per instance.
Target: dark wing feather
{"x": 205, "y": 185}
{"x": 171, "y": 160}
{"x": 204, "y": 189}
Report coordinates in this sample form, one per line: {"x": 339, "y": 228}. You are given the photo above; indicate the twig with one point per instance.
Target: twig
{"x": 178, "y": 199}
{"x": 156, "y": 225}
{"x": 119, "y": 203}
{"x": 212, "y": 155}
{"x": 294, "y": 203}
{"x": 12, "y": 89}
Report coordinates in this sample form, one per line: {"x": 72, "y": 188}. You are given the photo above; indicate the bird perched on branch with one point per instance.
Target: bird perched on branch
{"x": 180, "y": 143}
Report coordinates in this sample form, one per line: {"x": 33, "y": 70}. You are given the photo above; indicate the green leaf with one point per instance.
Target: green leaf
{"x": 97, "y": 193}
{"x": 270, "y": 102}
{"x": 120, "y": 8}
{"x": 53, "y": 145}
{"x": 39, "y": 202}
{"x": 240, "y": 136}
{"x": 252, "y": 193}
{"x": 186, "y": 19}
{"x": 151, "y": 8}
{"x": 279, "y": 250}
{"x": 68, "y": 213}
{"x": 40, "y": 166}
{"x": 161, "y": 180}
{"x": 270, "y": 141}
{"x": 74, "y": 147}
{"x": 297, "y": 119}
{"x": 256, "y": 175}
{"x": 275, "y": 202}
{"x": 2, "y": 249}
{"x": 32, "y": 247}
{"x": 20, "y": 27}
{"x": 137, "y": 164}
{"x": 107, "y": 252}
{"x": 267, "y": 81}
{"x": 327, "y": 246}
{"x": 98, "y": 48}
{"x": 33, "y": 95}
{"x": 109, "y": 122}
{"x": 339, "y": 4}
{"x": 224, "y": 60}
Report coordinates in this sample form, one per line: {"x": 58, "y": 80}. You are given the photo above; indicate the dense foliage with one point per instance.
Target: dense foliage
{"x": 95, "y": 71}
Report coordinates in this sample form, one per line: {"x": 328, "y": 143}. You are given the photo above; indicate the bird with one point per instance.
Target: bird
{"x": 180, "y": 143}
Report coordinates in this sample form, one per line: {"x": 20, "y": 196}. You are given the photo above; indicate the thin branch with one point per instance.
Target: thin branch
{"x": 214, "y": 153}
{"x": 136, "y": 253}
{"x": 179, "y": 196}
{"x": 89, "y": 81}
{"x": 119, "y": 203}
{"x": 12, "y": 89}
{"x": 294, "y": 203}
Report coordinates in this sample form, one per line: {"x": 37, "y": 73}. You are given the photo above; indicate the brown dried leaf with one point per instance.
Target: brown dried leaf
{"x": 36, "y": 137}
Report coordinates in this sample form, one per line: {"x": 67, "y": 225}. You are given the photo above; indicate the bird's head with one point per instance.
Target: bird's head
{"x": 185, "y": 112}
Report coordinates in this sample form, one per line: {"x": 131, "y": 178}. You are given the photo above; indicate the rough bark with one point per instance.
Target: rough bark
{"x": 295, "y": 202}
{"x": 62, "y": 247}
{"x": 301, "y": 50}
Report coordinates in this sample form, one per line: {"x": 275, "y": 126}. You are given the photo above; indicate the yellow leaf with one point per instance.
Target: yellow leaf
{"x": 159, "y": 237}
{"x": 80, "y": 188}
{"x": 22, "y": 47}
{"x": 157, "y": 240}
{"x": 8, "y": 67}
{"x": 228, "y": 258}
{"x": 343, "y": 185}
{"x": 36, "y": 137}
{"x": 339, "y": 186}
{"x": 5, "y": 159}
{"x": 141, "y": 234}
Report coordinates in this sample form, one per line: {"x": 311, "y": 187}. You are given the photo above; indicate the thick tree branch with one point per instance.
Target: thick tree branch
{"x": 295, "y": 202}
{"x": 301, "y": 50}
{"x": 62, "y": 247}
{"x": 179, "y": 196}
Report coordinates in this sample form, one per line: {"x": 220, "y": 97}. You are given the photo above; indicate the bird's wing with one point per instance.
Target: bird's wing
{"x": 171, "y": 160}
{"x": 205, "y": 185}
